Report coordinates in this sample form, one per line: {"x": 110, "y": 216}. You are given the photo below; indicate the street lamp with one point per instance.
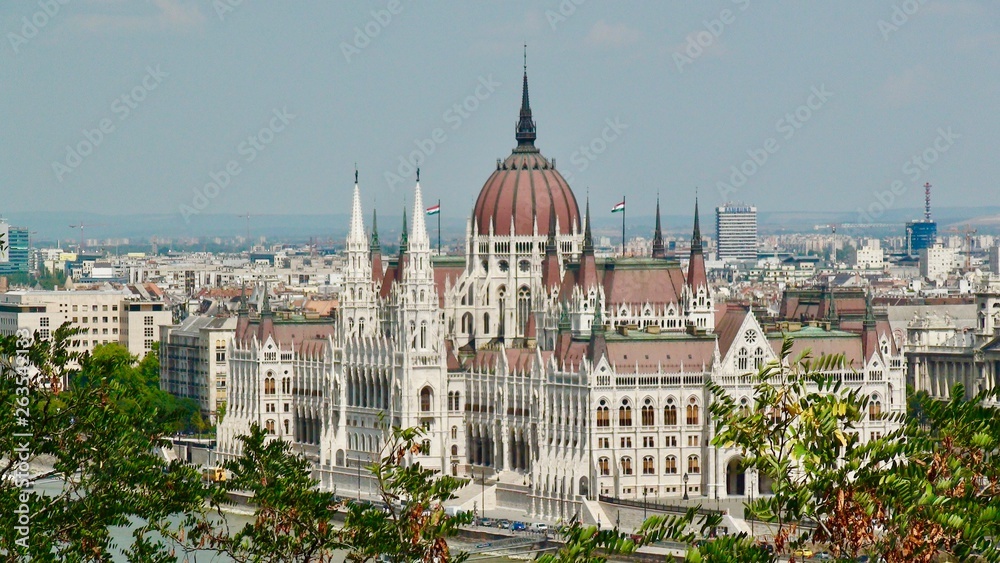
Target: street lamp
{"x": 359, "y": 479}
{"x": 644, "y": 504}
{"x": 685, "y": 486}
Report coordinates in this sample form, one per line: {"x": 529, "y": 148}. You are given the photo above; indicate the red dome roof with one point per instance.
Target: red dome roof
{"x": 524, "y": 188}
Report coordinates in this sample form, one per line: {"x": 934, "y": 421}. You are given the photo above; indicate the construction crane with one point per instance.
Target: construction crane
{"x": 834, "y": 226}
{"x": 247, "y": 217}
{"x": 81, "y": 227}
{"x": 966, "y": 231}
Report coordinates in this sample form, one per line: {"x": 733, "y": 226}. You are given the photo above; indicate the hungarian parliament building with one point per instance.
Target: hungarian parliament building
{"x": 552, "y": 376}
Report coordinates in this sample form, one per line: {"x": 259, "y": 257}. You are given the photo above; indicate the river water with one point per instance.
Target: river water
{"x": 122, "y": 536}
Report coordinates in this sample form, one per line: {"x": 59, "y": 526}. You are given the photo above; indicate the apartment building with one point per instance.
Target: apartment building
{"x": 193, "y": 362}
{"x": 128, "y": 315}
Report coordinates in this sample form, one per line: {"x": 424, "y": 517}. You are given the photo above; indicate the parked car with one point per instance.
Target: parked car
{"x": 518, "y": 527}
{"x": 504, "y": 524}
{"x": 823, "y": 556}
{"x": 803, "y": 552}
{"x": 539, "y": 527}
{"x": 486, "y": 522}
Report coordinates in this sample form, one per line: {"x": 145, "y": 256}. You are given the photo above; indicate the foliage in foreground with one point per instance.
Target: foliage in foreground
{"x": 102, "y": 433}
{"x": 924, "y": 492}
{"x": 293, "y": 521}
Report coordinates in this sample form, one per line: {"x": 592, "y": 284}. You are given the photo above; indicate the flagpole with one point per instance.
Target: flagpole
{"x": 624, "y": 210}
{"x": 439, "y": 227}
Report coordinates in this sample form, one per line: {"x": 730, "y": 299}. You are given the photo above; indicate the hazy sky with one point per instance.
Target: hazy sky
{"x": 629, "y": 98}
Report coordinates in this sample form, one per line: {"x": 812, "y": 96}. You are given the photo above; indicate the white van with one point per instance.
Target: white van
{"x": 539, "y": 527}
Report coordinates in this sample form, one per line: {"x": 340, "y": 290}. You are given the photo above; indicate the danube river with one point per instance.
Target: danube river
{"x": 122, "y": 536}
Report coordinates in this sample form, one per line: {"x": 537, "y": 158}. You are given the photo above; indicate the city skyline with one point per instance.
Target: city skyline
{"x": 629, "y": 102}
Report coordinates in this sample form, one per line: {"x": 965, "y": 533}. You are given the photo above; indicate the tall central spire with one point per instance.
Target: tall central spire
{"x": 525, "y": 126}
{"x": 418, "y": 239}
{"x": 356, "y": 235}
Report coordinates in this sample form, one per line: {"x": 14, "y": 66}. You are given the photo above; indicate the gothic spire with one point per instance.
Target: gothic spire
{"x": 658, "y": 249}
{"x": 404, "y": 238}
{"x": 356, "y": 234}
{"x": 696, "y": 265}
{"x": 419, "y": 239}
{"x": 696, "y": 243}
{"x": 525, "y": 126}
{"x": 588, "y": 239}
{"x": 550, "y": 242}
{"x": 265, "y": 307}
{"x": 375, "y": 245}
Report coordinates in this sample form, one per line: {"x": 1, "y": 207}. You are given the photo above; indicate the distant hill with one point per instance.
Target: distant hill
{"x": 55, "y": 226}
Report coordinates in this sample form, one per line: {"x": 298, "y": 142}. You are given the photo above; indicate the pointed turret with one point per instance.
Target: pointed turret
{"x": 588, "y": 264}
{"x": 598, "y": 344}
{"x": 831, "y": 308}
{"x": 374, "y": 245}
{"x": 588, "y": 239}
{"x": 404, "y": 237}
{"x": 525, "y": 134}
{"x": 869, "y": 332}
{"x": 243, "y": 315}
{"x": 658, "y": 249}
{"x": 550, "y": 264}
{"x": 375, "y": 251}
{"x": 696, "y": 266}
{"x": 266, "y": 317}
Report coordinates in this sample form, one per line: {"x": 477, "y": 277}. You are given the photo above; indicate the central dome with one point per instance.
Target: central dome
{"x": 525, "y": 188}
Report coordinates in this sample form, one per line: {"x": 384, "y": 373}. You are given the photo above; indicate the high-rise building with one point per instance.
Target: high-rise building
{"x": 19, "y": 245}
{"x": 736, "y": 232}
{"x": 920, "y": 235}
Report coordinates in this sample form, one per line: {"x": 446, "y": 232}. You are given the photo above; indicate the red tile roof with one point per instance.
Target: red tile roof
{"x": 669, "y": 355}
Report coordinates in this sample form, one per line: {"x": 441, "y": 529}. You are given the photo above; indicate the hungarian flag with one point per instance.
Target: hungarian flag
{"x": 434, "y": 210}
{"x": 620, "y": 208}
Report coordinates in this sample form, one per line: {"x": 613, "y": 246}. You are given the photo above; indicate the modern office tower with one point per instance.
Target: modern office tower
{"x": 19, "y": 245}
{"x": 922, "y": 233}
{"x": 736, "y": 232}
